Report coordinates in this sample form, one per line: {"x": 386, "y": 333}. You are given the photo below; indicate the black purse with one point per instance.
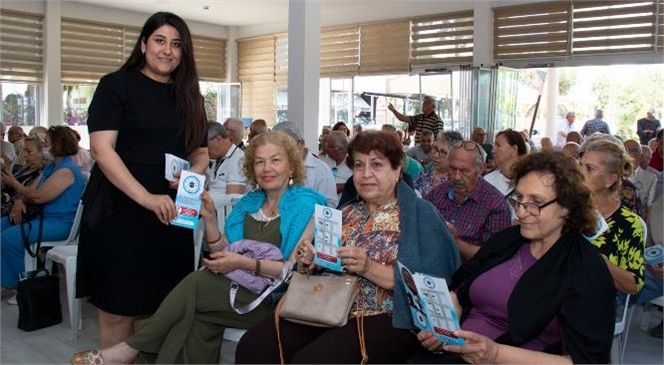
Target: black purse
{"x": 38, "y": 297}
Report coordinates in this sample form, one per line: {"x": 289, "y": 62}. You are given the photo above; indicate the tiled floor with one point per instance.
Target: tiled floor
{"x": 53, "y": 345}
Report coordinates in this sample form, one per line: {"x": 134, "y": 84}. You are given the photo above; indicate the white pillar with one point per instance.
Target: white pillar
{"x": 231, "y": 55}
{"x": 304, "y": 67}
{"x": 551, "y": 103}
{"x": 482, "y": 34}
{"x": 52, "y": 111}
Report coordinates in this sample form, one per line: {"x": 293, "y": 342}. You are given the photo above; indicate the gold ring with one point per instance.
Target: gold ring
{"x": 300, "y": 253}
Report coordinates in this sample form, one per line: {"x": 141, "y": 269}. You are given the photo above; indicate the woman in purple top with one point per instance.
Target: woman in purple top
{"x": 536, "y": 292}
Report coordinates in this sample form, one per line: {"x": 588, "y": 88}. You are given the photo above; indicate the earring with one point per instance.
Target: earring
{"x": 290, "y": 181}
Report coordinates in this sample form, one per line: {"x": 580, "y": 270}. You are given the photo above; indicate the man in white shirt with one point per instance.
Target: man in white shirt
{"x": 563, "y": 127}
{"x": 337, "y": 150}
{"x": 645, "y": 181}
{"x": 227, "y": 180}
{"x": 319, "y": 175}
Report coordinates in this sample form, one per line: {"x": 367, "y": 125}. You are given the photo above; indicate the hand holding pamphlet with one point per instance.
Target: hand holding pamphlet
{"x": 431, "y": 305}
{"x": 174, "y": 165}
{"x": 327, "y": 237}
{"x": 188, "y": 200}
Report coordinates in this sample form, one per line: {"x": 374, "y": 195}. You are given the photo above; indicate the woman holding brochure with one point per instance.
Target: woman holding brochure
{"x": 537, "y": 292}
{"x": 189, "y": 325}
{"x": 132, "y": 257}
{"x": 385, "y": 223}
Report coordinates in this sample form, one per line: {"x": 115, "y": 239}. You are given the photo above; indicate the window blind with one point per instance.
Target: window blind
{"x": 21, "y": 46}
{"x": 256, "y": 60}
{"x": 384, "y": 48}
{"x": 210, "y": 56}
{"x": 91, "y": 50}
{"x": 660, "y": 26}
{"x": 531, "y": 31}
{"x": 609, "y": 27}
{"x": 442, "y": 39}
{"x": 340, "y": 51}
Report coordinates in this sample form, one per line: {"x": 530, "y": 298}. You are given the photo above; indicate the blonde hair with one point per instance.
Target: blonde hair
{"x": 281, "y": 140}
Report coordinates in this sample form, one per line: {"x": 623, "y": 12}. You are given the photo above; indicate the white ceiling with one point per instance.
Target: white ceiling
{"x": 257, "y": 12}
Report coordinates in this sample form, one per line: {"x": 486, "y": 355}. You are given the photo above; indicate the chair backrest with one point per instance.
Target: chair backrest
{"x": 655, "y": 219}
{"x": 73, "y": 232}
{"x": 621, "y": 313}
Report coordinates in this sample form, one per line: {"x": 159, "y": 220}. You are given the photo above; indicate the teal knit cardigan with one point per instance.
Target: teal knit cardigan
{"x": 296, "y": 208}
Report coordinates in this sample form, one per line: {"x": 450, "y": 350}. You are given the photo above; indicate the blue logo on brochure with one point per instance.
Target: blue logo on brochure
{"x": 327, "y": 213}
{"x": 192, "y": 185}
{"x": 429, "y": 282}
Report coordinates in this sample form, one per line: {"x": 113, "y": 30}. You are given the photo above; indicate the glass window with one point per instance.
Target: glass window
{"x": 222, "y": 100}
{"x": 19, "y": 104}
{"x": 76, "y": 100}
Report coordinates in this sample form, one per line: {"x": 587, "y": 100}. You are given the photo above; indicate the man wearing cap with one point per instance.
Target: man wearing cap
{"x": 563, "y": 127}
{"x": 647, "y": 127}
{"x": 428, "y": 120}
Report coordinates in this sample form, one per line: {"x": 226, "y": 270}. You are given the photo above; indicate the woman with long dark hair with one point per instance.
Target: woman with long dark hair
{"x": 132, "y": 258}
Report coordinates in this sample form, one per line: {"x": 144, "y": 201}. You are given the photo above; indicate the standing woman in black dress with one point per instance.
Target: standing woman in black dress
{"x": 131, "y": 259}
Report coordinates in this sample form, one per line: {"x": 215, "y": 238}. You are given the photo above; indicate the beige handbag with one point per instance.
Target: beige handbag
{"x": 321, "y": 301}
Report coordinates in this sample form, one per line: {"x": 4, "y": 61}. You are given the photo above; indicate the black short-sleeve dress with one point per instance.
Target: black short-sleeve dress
{"x": 131, "y": 261}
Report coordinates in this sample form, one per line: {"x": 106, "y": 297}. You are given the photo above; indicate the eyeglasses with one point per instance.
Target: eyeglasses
{"x": 441, "y": 151}
{"x": 531, "y": 208}
{"x": 467, "y": 145}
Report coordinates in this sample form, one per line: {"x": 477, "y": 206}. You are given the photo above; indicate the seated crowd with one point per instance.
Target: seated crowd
{"x": 512, "y": 241}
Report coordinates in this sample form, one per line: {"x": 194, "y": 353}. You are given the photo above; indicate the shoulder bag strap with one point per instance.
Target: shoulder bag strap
{"x": 256, "y": 302}
{"x": 26, "y": 237}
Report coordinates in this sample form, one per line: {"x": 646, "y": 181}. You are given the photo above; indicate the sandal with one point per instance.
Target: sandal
{"x": 92, "y": 357}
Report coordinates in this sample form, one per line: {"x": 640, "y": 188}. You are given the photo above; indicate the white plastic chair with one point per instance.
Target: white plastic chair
{"x": 72, "y": 239}
{"x": 620, "y": 332}
{"x": 66, "y": 255}
{"x": 222, "y": 213}
{"x": 655, "y": 220}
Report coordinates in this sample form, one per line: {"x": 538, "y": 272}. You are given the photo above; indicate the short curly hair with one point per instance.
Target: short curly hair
{"x": 279, "y": 139}
{"x": 569, "y": 184}
{"x": 383, "y": 142}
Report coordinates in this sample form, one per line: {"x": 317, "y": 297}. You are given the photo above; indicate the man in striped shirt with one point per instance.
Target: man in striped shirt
{"x": 428, "y": 120}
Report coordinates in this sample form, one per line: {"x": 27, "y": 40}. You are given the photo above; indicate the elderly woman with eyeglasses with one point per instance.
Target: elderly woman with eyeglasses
{"x": 431, "y": 178}
{"x": 536, "y": 292}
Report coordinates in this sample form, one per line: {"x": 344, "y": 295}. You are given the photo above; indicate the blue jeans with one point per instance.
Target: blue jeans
{"x": 13, "y": 249}
{"x": 652, "y": 288}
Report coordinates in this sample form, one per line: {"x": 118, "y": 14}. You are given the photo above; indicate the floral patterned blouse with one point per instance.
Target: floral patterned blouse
{"x": 623, "y": 242}
{"x": 378, "y": 233}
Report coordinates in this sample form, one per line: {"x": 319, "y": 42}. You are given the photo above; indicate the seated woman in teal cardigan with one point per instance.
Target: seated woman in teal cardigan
{"x": 188, "y": 326}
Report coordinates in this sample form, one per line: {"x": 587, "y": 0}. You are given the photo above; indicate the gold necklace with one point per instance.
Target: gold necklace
{"x": 264, "y": 221}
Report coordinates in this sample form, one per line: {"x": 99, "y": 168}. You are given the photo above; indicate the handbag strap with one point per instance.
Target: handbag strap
{"x": 26, "y": 238}
{"x": 276, "y": 326}
{"x": 256, "y": 302}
